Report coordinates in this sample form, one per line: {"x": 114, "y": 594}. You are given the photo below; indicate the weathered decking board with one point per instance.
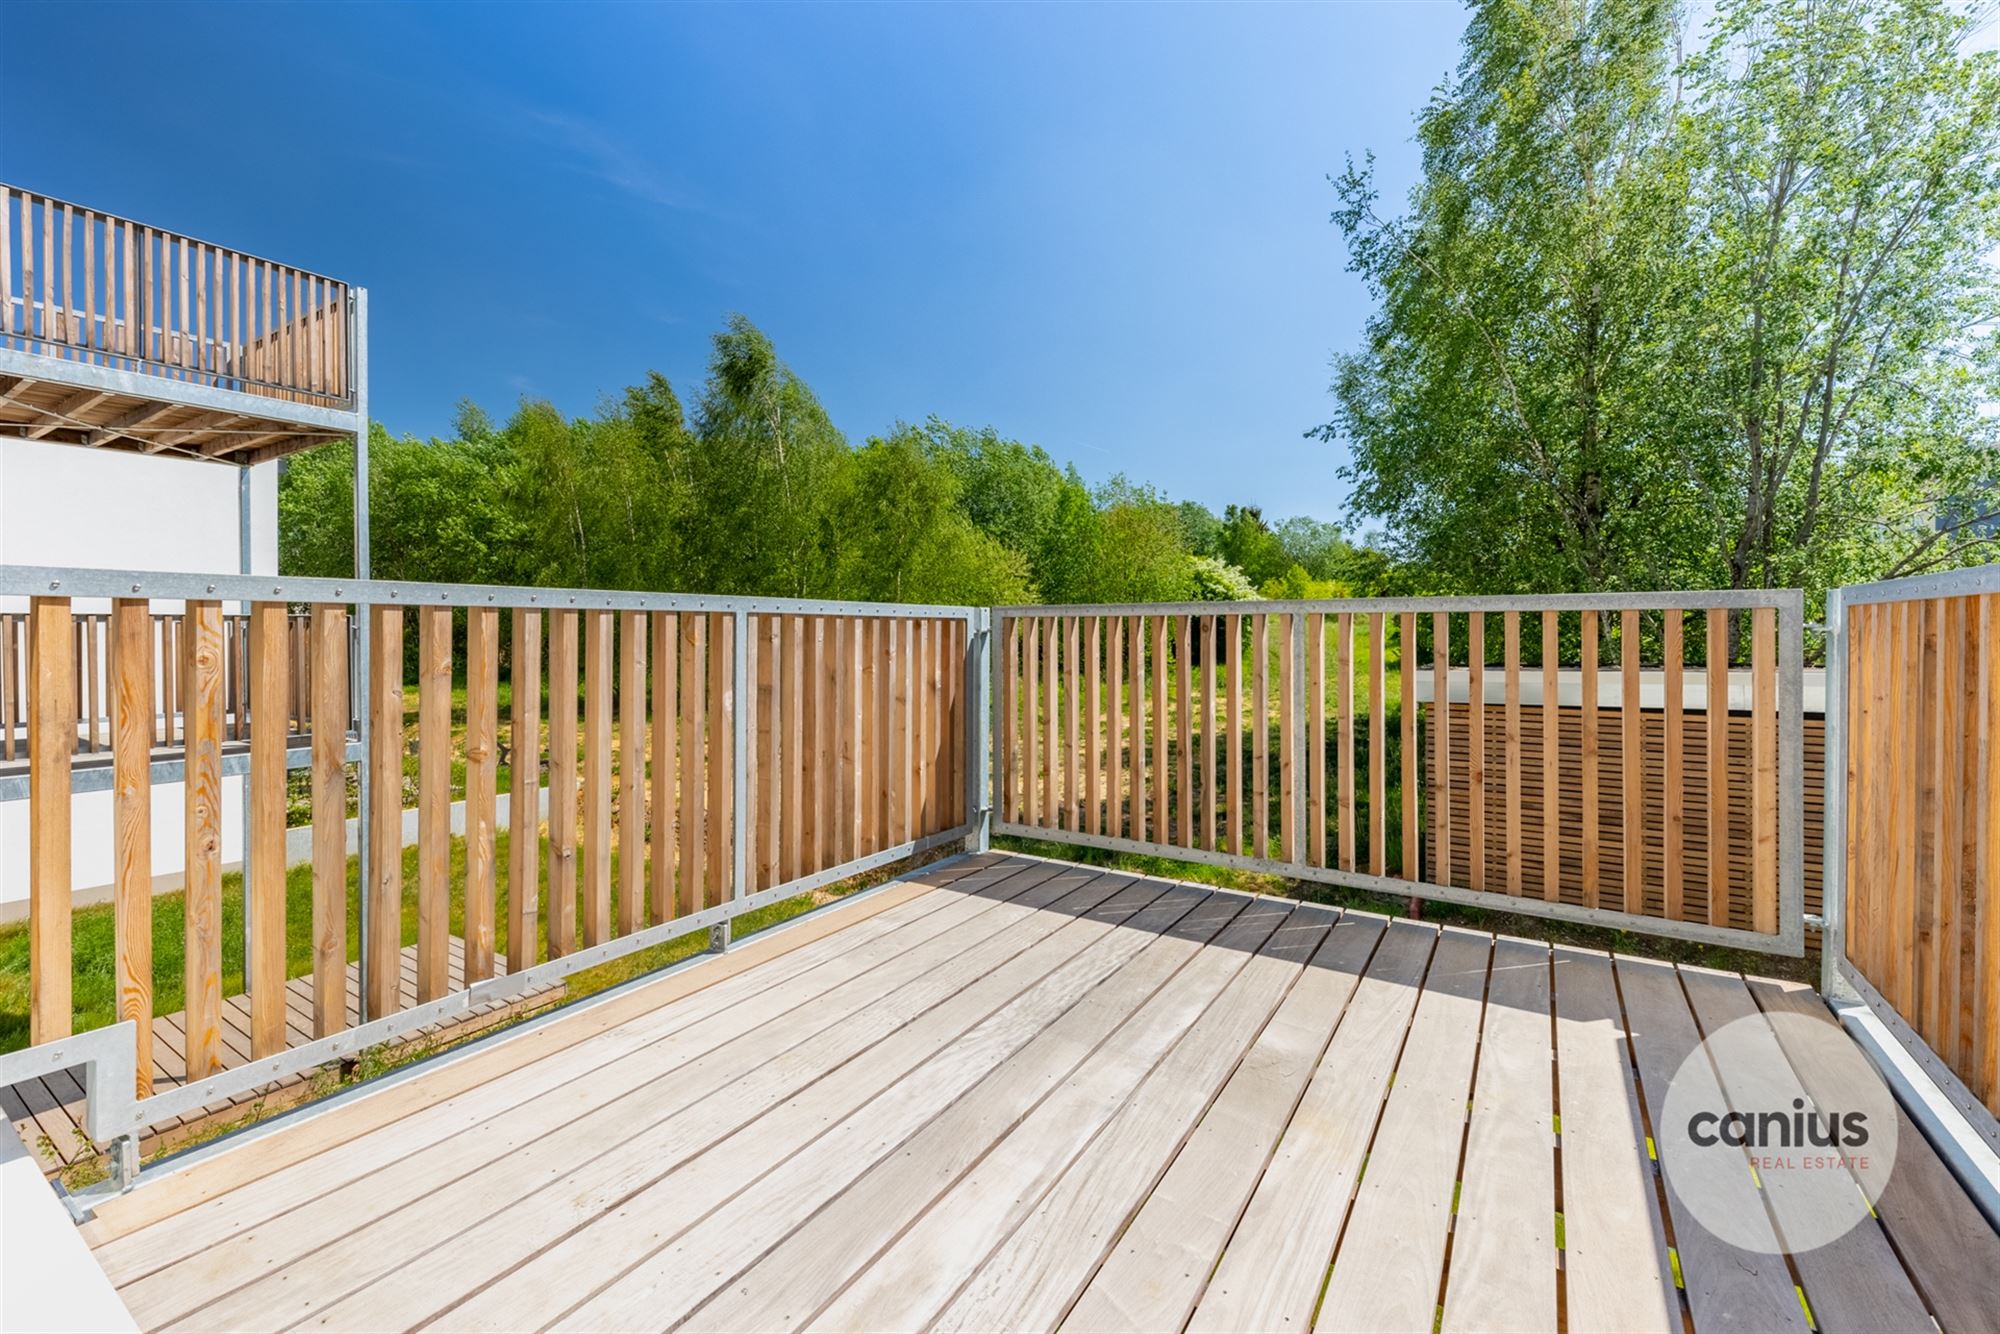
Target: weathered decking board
{"x": 1035, "y": 1095}
{"x": 48, "y": 1113}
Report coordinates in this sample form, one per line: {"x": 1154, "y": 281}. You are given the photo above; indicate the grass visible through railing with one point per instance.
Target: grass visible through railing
{"x": 94, "y": 969}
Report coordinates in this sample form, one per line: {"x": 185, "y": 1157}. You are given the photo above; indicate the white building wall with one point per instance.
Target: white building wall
{"x": 67, "y": 505}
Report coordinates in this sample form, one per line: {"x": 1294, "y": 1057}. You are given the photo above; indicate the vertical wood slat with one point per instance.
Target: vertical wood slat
{"x": 1673, "y": 820}
{"x": 1551, "y": 757}
{"x": 722, "y": 812}
{"x": 1985, "y": 993}
{"x": 1717, "y": 749}
{"x": 1316, "y": 738}
{"x": 1406, "y": 667}
{"x": 1587, "y": 723}
{"x": 693, "y": 806}
{"x": 482, "y": 771}
{"x": 560, "y": 908}
{"x": 598, "y": 626}
{"x": 1632, "y": 781}
{"x": 329, "y": 818}
{"x": 1052, "y": 788}
{"x": 1162, "y": 798}
{"x": 1764, "y": 762}
{"x": 764, "y": 783}
{"x": 1288, "y": 739}
{"x": 869, "y": 724}
{"x": 1260, "y": 732}
{"x": 1475, "y": 742}
{"x": 1184, "y": 655}
{"x": 1075, "y": 800}
{"x": 385, "y": 816}
{"x": 1211, "y": 782}
{"x": 1942, "y": 790}
{"x": 524, "y": 799}
{"x": 894, "y": 685}
{"x": 1441, "y": 746}
{"x": 131, "y": 648}
{"x": 1897, "y": 982}
{"x": 1031, "y": 719}
{"x": 631, "y": 855}
{"x": 201, "y": 1019}
{"x": 433, "y": 802}
{"x": 916, "y": 639}
{"x": 1378, "y": 744}
{"x": 796, "y": 703}
{"x": 819, "y": 747}
{"x": 1093, "y": 757}
{"x": 1343, "y": 686}
{"x": 1233, "y": 670}
{"x": 264, "y": 971}
{"x": 1136, "y": 634}
{"x": 662, "y": 789}
{"x": 51, "y": 741}
{"x": 1114, "y": 708}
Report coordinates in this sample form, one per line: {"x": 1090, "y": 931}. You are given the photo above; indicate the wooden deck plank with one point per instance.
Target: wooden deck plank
{"x": 1391, "y": 1256}
{"x": 1951, "y": 1252}
{"x": 542, "y": 1138}
{"x": 1154, "y": 1276}
{"x": 562, "y": 1173}
{"x": 1728, "y": 1286}
{"x": 1502, "y": 1273}
{"x": 1033, "y": 1279}
{"x": 1029, "y": 1045}
{"x": 1271, "y": 1273}
{"x": 1853, "y": 1282}
{"x": 720, "y": 982}
{"x": 338, "y": 1146}
{"x": 909, "y": 1285}
{"x": 810, "y": 1266}
{"x": 1616, "y": 1273}
{"x": 1031, "y": 1094}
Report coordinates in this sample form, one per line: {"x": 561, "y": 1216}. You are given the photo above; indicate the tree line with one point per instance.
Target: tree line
{"x": 755, "y": 491}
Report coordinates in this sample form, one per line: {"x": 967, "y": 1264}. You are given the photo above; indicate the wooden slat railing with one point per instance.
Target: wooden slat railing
{"x": 1921, "y": 784}
{"x": 89, "y": 286}
{"x": 92, "y": 681}
{"x": 1342, "y": 742}
{"x": 852, "y": 749}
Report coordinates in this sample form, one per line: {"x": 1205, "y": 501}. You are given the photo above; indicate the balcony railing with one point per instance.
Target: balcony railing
{"x": 708, "y": 756}
{"x": 89, "y": 286}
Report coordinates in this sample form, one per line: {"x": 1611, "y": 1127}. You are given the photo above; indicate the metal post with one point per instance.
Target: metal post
{"x": 363, "y": 634}
{"x": 739, "y": 748}
{"x": 1833, "y": 843}
{"x": 243, "y": 565}
{"x": 979, "y": 725}
{"x": 125, "y": 1161}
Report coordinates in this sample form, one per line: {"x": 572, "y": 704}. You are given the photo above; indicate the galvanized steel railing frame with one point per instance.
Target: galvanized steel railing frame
{"x": 1788, "y": 603}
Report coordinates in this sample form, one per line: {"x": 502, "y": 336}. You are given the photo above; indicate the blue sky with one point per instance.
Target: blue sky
{"x": 1100, "y": 229}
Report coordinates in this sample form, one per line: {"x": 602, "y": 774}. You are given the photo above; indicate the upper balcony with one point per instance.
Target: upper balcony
{"x": 119, "y": 335}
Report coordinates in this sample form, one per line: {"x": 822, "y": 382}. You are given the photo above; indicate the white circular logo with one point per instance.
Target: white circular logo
{"x": 1754, "y": 1156}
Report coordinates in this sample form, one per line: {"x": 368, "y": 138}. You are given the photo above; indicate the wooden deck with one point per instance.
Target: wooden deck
{"x": 48, "y": 1113}
{"x": 1019, "y": 1094}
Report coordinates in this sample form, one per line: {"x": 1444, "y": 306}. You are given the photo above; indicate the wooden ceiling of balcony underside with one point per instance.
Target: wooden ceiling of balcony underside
{"x": 99, "y": 419}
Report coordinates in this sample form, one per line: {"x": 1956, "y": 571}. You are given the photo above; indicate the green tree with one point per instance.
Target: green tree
{"x": 1651, "y": 322}
{"x": 1827, "y": 387}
